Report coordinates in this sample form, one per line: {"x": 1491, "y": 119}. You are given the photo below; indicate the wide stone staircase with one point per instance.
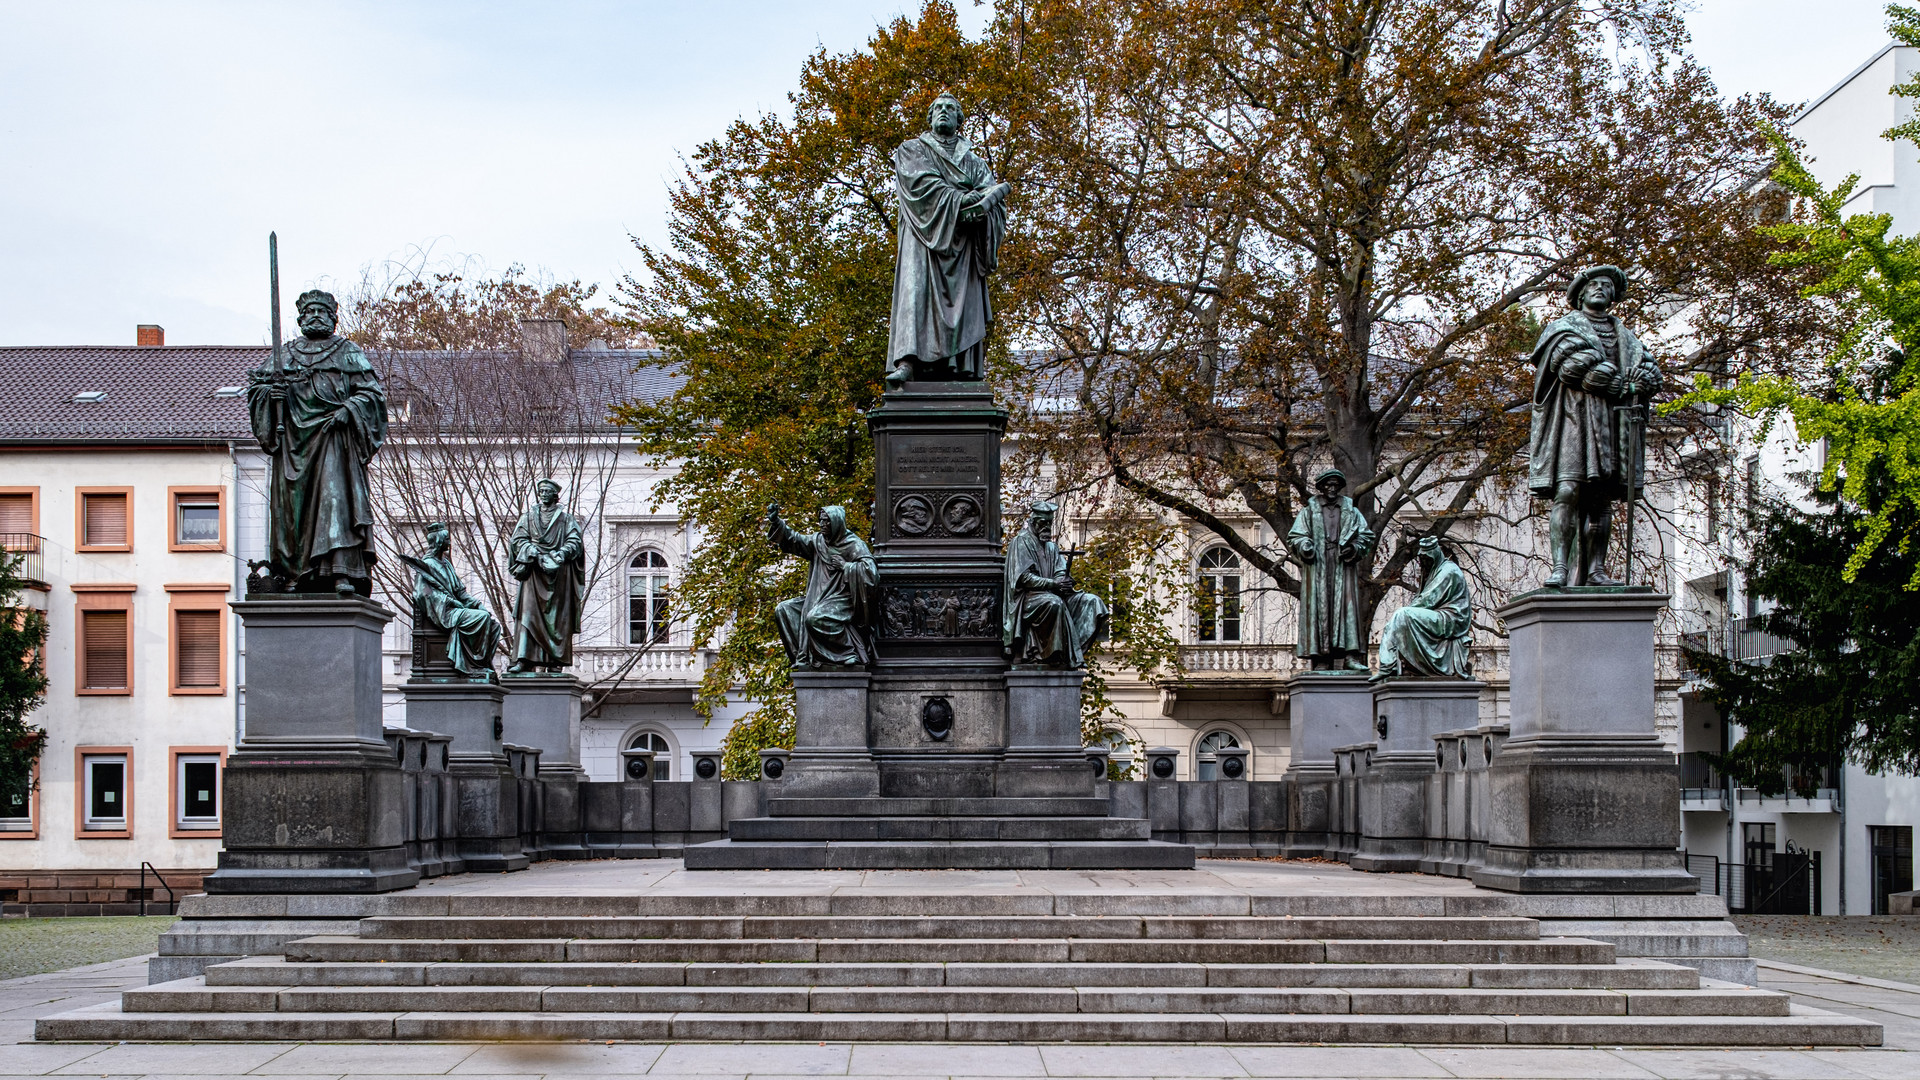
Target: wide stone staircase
{"x": 950, "y": 966}
{"x": 977, "y": 833}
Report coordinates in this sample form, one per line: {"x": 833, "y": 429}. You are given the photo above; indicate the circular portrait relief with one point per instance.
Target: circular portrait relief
{"x": 913, "y": 516}
{"x": 961, "y": 515}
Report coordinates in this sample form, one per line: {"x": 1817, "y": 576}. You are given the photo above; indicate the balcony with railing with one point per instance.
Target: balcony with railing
{"x": 27, "y": 548}
{"x": 1736, "y": 639}
{"x": 1229, "y": 660}
{"x": 1701, "y": 786}
{"x": 659, "y": 663}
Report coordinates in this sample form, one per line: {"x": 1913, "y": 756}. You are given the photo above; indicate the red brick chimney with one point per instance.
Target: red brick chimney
{"x": 149, "y": 334}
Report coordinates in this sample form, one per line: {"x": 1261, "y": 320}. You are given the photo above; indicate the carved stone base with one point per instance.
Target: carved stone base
{"x": 542, "y": 710}
{"x": 1324, "y": 711}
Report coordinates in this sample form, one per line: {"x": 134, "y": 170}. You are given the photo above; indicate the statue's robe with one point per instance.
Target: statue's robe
{"x": 949, "y": 244}
{"x": 1337, "y": 536}
{"x": 1575, "y": 433}
{"x": 1431, "y": 635}
{"x": 441, "y": 598}
{"x": 828, "y": 624}
{"x": 1038, "y": 623}
{"x": 320, "y": 506}
{"x": 546, "y": 615}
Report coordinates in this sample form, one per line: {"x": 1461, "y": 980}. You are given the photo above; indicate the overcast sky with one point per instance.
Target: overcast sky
{"x": 146, "y": 149}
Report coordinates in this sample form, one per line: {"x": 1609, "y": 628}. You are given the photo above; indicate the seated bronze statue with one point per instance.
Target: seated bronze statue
{"x": 1048, "y": 621}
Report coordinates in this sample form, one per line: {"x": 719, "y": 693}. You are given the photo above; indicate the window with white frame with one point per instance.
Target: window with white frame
{"x": 16, "y": 804}
{"x": 105, "y": 795}
{"x": 196, "y": 786}
{"x": 662, "y": 752}
{"x": 647, "y": 598}
{"x": 1218, "y": 602}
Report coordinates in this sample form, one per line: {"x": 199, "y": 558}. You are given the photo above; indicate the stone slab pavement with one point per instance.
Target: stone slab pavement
{"x": 1895, "y": 1005}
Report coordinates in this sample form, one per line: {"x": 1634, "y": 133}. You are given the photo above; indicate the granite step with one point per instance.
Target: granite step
{"x": 936, "y": 807}
{"x": 277, "y": 971}
{"x": 1131, "y": 950}
{"x": 194, "y": 995}
{"x": 939, "y": 855}
{"x": 1801, "y": 1027}
{"x": 957, "y": 827}
{"x": 773, "y": 927}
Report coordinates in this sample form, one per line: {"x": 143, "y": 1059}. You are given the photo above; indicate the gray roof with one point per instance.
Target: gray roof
{"x": 166, "y": 394}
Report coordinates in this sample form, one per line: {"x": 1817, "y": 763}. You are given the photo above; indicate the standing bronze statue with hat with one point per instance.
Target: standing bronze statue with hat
{"x": 1331, "y": 539}
{"x": 1592, "y": 382}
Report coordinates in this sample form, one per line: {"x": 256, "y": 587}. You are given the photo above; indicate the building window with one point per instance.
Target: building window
{"x": 105, "y": 791}
{"x": 662, "y": 753}
{"x": 196, "y": 651}
{"x": 106, "y": 648}
{"x": 196, "y": 789}
{"x": 19, "y": 519}
{"x": 1206, "y": 765}
{"x": 105, "y": 519}
{"x": 1892, "y": 862}
{"x": 18, "y": 801}
{"x": 1219, "y": 600}
{"x": 647, "y": 598}
{"x": 199, "y": 519}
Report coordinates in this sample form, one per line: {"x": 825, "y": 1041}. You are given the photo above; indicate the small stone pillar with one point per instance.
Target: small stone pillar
{"x": 314, "y": 797}
{"x": 1045, "y": 757}
{"x": 487, "y": 795}
{"x": 1583, "y": 797}
{"x": 1163, "y": 794}
{"x": 830, "y": 758}
{"x": 1408, "y": 713}
{"x": 1325, "y": 710}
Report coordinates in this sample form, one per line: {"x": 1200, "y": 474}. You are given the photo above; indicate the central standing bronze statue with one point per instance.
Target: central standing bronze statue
{"x": 953, "y": 216}
{"x": 1592, "y": 381}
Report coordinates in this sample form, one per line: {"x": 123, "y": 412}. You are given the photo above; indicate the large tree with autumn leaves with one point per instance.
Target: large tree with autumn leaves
{"x": 1248, "y": 239}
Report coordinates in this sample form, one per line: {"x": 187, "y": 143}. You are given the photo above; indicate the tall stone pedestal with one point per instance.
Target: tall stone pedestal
{"x": 1044, "y": 758}
{"x": 830, "y": 759}
{"x": 487, "y": 809}
{"x": 1583, "y": 797}
{"x": 314, "y": 801}
{"x": 1392, "y": 796}
{"x": 1324, "y": 711}
{"x": 543, "y": 711}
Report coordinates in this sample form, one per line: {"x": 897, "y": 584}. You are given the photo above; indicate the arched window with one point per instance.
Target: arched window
{"x": 662, "y": 753}
{"x": 1207, "y": 765}
{"x": 1218, "y": 604}
{"x": 647, "y": 598}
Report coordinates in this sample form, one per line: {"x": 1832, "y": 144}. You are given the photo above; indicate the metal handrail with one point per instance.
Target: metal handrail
{"x": 173, "y": 902}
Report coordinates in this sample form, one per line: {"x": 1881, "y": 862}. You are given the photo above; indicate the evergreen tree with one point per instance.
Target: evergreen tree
{"x": 23, "y": 633}
{"x": 1850, "y": 687}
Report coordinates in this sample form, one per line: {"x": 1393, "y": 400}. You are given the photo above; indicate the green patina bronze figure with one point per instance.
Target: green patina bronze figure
{"x": 320, "y": 414}
{"x": 1333, "y": 544}
{"x": 548, "y": 556}
{"x": 1432, "y": 634}
{"x": 828, "y": 626}
{"x": 953, "y": 216}
{"x": 1047, "y": 621}
{"x": 441, "y": 600}
{"x": 1592, "y": 382}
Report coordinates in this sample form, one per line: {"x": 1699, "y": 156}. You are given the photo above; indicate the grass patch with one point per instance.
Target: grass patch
{"x": 33, "y": 946}
{"x": 1877, "y": 946}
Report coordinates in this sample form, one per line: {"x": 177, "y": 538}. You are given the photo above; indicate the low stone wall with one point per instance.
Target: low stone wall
{"x": 63, "y": 893}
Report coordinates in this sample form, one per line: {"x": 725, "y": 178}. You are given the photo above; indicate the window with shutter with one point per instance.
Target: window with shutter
{"x": 16, "y": 522}
{"x": 103, "y": 521}
{"x": 196, "y": 645}
{"x": 104, "y": 638}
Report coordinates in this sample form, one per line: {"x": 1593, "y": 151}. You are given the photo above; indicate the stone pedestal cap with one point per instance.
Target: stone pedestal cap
{"x": 1163, "y": 763}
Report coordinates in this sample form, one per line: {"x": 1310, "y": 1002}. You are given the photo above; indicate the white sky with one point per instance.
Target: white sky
{"x": 146, "y": 149}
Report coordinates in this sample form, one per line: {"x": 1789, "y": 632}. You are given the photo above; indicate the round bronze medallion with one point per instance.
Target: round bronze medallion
{"x": 961, "y": 515}
{"x": 913, "y": 515}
